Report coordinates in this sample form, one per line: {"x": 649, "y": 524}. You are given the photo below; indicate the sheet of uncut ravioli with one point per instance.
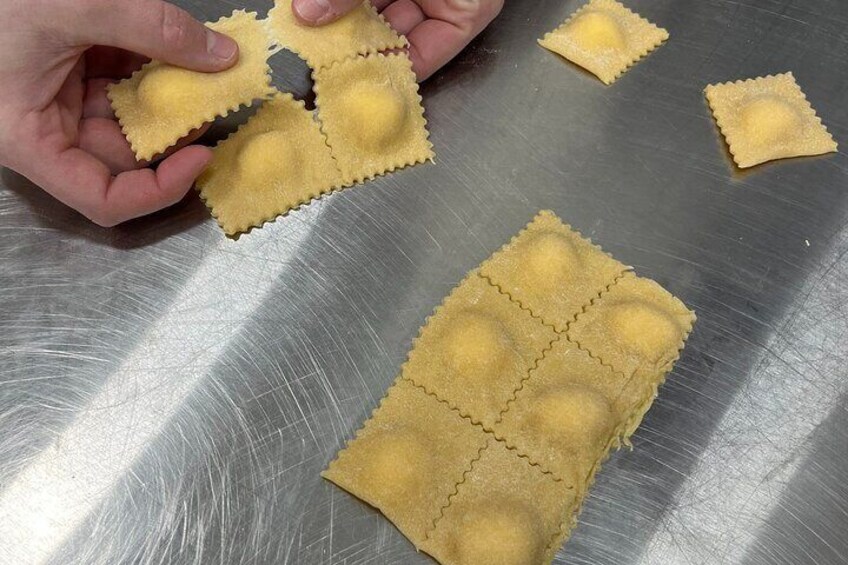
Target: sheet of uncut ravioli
{"x": 408, "y": 458}
{"x": 275, "y": 162}
{"x": 567, "y": 415}
{"x": 604, "y": 38}
{"x": 360, "y": 32}
{"x": 767, "y": 118}
{"x": 161, "y": 103}
{"x": 372, "y": 115}
{"x": 551, "y": 270}
{"x": 506, "y": 510}
{"x": 476, "y": 349}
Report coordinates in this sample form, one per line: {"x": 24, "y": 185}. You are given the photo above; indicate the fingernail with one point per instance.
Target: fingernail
{"x": 311, "y": 10}
{"x": 220, "y": 45}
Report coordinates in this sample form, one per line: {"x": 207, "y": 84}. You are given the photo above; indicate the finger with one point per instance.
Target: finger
{"x": 439, "y": 39}
{"x": 321, "y": 12}
{"x": 381, "y": 5}
{"x": 104, "y": 139}
{"x": 404, "y": 15}
{"x": 153, "y": 28}
{"x": 85, "y": 184}
{"x": 110, "y": 62}
{"x": 95, "y": 104}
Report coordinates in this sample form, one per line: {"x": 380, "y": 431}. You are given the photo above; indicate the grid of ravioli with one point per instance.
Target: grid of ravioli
{"x": 605, "y": 38}
{"x": 767, "y": 118}
{"x": 543, "y": 389}
{"x": 160, "y": 104}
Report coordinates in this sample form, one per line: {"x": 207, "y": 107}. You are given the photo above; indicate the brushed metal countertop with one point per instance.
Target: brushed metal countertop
{"x": 170, "y": 396}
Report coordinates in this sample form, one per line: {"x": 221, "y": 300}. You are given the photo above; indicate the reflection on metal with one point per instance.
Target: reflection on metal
{"x": 56, "y": 491}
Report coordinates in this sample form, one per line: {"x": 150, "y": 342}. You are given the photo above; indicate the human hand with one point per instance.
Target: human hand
{"x": 437, "y": 29}
{"x": 56, "y": 124}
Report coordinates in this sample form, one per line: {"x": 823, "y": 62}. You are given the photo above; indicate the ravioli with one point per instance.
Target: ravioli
{"x": 767, "y": 118}
{"x": 567, "y": 414}
{"x": 160, "y": 104}
{"x": 476, "y": 350}
{"x": 360, "y": 32}
{"x": 605, "y": 38}
{"x": 505, "y": 512}
{"x": 408, "y": 458}
{"x": 371, "y": 113}
{"x": 552, "y": 271}
{"x": 276, "y": 162}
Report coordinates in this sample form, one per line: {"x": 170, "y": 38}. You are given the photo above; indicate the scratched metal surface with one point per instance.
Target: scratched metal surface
{"x": 170, "y": 396}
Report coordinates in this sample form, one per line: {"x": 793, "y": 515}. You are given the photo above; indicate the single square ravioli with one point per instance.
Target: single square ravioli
{"x": 360, "y": 32}
{"x": 767, "y": 118}
{"x": 505, "y": 511}
{"x": 372, "y": 115}
{"x": 605, "y": 38}
{"x": 160, "y": 104}
{"x": 567, "y": 414}
{"x": 476, "y": 349}
{"x": 408, "y": 458}
{"x": 551, "y": 270}
{"x": 277, "y": 161}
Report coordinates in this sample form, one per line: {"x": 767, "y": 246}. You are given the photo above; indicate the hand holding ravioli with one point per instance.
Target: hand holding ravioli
{"x": 56, "y": 124}
{"x": 437, "y": 30}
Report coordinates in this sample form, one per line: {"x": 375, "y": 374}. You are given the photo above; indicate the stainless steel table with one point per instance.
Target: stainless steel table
{"x": 170, "y": 396}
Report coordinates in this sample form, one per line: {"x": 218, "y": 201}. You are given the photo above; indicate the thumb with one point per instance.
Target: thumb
{"x": 320, "y": 12}
{"x": 156, "y": 29}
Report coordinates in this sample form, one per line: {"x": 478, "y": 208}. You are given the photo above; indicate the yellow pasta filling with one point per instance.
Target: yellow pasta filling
{"x": 605, "y": 38}
{"x": 277, "y": 161}
{"x": 160, "y": 104}
{"x": 360, "y": 32}
{"x": 767, "y": 118}
{"x": 371, "y": 112}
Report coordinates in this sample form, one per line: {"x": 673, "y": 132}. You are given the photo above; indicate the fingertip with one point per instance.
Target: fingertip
{"x": 177, "y": 173}
{"x": 312, "y": 12}
{"x": 223, "y": 50}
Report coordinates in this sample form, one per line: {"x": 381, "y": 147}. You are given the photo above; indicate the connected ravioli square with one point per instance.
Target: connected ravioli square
{"x": 636, "y": 327}
{"x": 408, "y": 458}
{"x": 360, "y": 32}
{"x": 160, "y": 104}
{"x": 767, "y": 118}
{"x": 605, "y": 38}
{"x": 476, "y": 349}
{"x": 372, "y": 116}
{"x": 506, "y": 510}
{"x": 551, "y": 270}
{"x": 277, "y": 161}
{"x": 567, "y": 414}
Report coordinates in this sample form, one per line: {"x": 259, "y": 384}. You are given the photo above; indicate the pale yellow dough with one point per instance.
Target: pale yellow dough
{"x": 604, "y": 38}
{"x": 371, "y": 112}
{"x": 408, "y": 458}
{"x": 476, "y": 349}
{"x": 505, "y": 512}
{"x": 277, "y": 161}
{"x": 360, "y": 32}
{"x": 551, "y": 270}
{"x": 567, "y": 415}
{"x": 160, "y": 104}
{"x": 767, "y": 118}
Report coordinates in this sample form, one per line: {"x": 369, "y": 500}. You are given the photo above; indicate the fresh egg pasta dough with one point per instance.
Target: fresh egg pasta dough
{"x": 545, "y": 258}
{"x": 160, "y": 104}
{"x": 476, "y": 350}
{"x": 360, "y": 32}
{"x": 408, "y": 458}
{"x": 277, "y": 161}
{"x": 492, "y": 435}
{"x": 371, "y": 113}
{"x": 767, "y": 118}
{"x": 605, "y": 38}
